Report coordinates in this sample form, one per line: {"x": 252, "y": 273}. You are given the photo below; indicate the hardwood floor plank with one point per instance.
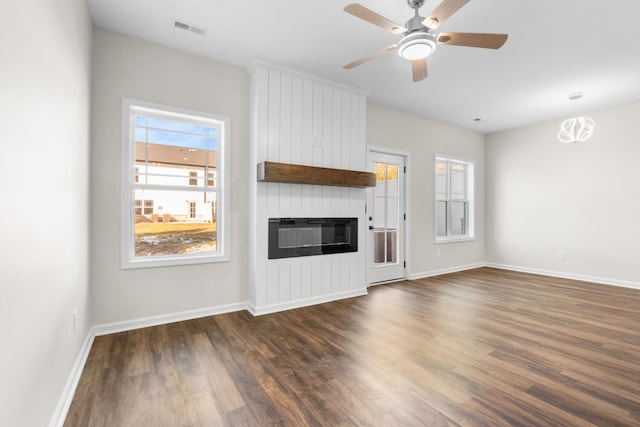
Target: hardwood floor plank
{"x": 220, "y": 384}
{"x": 476, "y": 348}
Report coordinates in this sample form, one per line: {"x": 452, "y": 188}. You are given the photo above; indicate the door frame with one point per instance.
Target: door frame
{"x": 407, "y": 204}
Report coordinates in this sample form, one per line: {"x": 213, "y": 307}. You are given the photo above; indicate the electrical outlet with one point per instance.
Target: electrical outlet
{"x": 75, "y": 319}
{"x": 560, "y": 255}
{"x": 438, "y": 253}
{"x": 316, "y": 141}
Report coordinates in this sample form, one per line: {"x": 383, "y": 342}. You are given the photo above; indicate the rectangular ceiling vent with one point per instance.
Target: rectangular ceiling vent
{"x": 188, "y": 27}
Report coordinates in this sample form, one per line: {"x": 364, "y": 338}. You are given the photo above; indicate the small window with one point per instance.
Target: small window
{"x": 175, "y": 207}
{"x": 148, "y": 207}
{"x": 193, "y": 178}
{"x": 454, "y": 188}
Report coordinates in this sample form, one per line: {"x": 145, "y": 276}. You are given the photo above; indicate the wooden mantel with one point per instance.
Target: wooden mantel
{"x": 299, "y": 174}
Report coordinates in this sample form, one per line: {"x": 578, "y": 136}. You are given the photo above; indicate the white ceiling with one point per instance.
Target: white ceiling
{"x": 555, "y": 47}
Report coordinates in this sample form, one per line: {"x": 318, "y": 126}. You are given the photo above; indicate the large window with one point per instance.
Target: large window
{"x": 173, "y": 210}
{"x": 454, "y": 210}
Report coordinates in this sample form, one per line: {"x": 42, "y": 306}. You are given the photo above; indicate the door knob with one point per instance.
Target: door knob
{"x": 371, "y": 227}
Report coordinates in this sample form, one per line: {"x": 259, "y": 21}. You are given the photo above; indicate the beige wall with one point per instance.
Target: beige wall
{"x": 544, "y": 197}
{"x": 44, "y": 174}
{"x": 127, "y": 67}
{"x": 422, "y": 139}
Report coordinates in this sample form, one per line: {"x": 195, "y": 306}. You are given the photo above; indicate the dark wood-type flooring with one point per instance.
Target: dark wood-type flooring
{"x": 478, "y": 348}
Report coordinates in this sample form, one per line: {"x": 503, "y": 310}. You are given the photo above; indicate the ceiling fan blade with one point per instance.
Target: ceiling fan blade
{"x": 370, "y": 16}
{"x": 367, "y": 58}
{"x": 487, "y": 41}
{"x": 419, "y": 67}
{"x": 443, "y": 12}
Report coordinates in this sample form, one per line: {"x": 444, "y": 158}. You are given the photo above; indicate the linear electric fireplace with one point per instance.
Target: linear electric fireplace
{"x": 293, "y": 237}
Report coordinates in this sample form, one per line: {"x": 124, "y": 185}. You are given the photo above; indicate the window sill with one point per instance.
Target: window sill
{"x": 453, "y": 239}
{"x": 170, "y": 261}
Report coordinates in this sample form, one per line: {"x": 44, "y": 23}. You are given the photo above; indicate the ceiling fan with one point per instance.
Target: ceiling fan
{"x": 418, "y": 41}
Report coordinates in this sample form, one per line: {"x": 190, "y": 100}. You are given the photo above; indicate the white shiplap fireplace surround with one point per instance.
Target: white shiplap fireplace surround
{"x": 300, "y": 119}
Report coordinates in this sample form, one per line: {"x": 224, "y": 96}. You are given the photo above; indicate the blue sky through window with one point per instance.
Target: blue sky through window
{"x": 178, "y": 134}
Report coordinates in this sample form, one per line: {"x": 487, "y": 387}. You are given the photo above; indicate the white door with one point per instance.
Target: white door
{"x": 386, "y": 218}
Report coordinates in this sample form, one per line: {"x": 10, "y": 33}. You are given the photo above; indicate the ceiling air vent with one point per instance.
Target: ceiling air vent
{"x": 188, "y": 27}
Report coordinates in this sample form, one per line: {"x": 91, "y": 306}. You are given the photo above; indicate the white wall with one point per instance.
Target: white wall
{"x": 127, "y": 67}
{"x": 44, "y": 110}
{"x": 422, "y": 138}
{"x": 544, "y": 196}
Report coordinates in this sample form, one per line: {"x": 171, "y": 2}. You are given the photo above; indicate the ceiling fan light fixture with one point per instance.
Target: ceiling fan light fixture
{"x": 417, "y": 45}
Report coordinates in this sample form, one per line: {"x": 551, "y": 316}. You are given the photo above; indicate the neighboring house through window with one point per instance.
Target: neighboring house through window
{"x": 177, "y": 161}
{"x": 193, "y": 178}
{"x": 454, "y": 208}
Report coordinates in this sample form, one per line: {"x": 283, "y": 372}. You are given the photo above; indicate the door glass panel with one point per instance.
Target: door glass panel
{"x": 386, "y": 214}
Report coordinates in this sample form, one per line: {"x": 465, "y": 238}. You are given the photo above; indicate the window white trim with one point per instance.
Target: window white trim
{"x": 223, "y": 149}
{"x": 470, "y": 198}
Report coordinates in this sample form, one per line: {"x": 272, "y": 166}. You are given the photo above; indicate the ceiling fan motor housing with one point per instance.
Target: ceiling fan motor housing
{"x": 415, "y": 3}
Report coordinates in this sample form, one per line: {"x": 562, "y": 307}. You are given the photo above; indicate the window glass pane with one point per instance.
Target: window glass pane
{"x": 392, "y": 180}
{"x": 393, "y": 213}
{"x": 381, "y": 179}
{"x": 378, "y": 213}
{"x": 178, "y": 133}
{"x": 171, "y": 156}
{"x": 379, "y": 246}
{"x": 458, "y": 187}
{"x": 441, "y": 219}
{"x": 172, "y": 145}
{"x": 392, "y": 246}
{"x": 178, "y": 126}
{"x": 381, "y": 171}
{"x": 441, "y": 181}
{"x": 172, "y": 176}
{"x": 458, "y": 218}
{"x": 175, "y": 222}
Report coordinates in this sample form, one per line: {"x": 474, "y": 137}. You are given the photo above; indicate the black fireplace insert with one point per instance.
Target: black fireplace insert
{"x": 294, "y": 237}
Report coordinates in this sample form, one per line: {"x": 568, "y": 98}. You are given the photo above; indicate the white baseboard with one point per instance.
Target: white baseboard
{"x": 563, "y": 275}
{"x": 60, "y": 414}
{"x": 128, "y": 325}
{"x": 439, "y": 272}
{"x": 274, "y": 308}
{"x": 559, "y": 274}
